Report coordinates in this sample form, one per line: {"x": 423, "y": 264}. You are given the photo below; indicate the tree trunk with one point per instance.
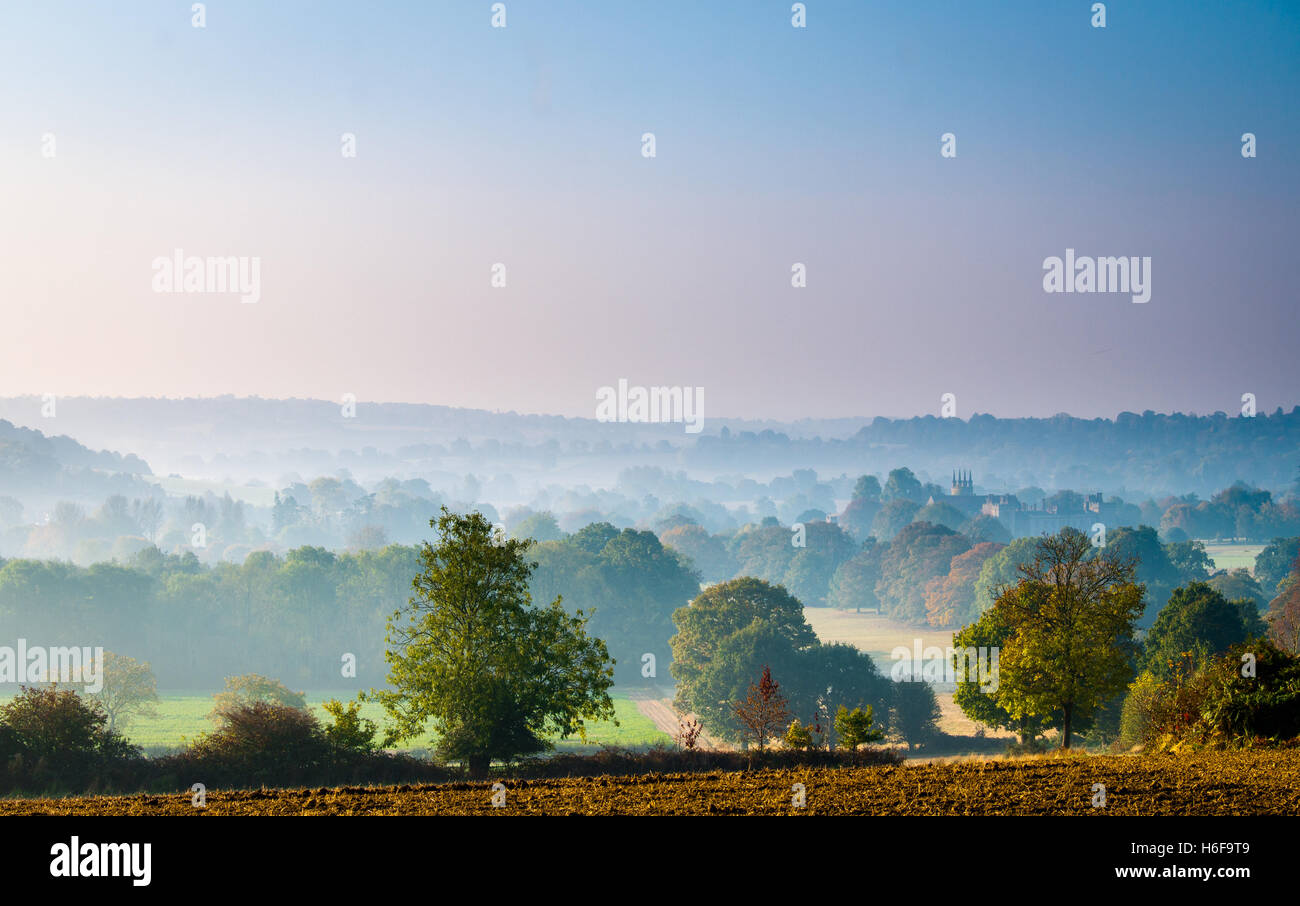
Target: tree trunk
{"x": 478, "y": 767}
{"x": 1065, "y": 730}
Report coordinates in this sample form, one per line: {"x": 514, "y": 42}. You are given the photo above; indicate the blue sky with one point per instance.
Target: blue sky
{"x": 774, "y": 145}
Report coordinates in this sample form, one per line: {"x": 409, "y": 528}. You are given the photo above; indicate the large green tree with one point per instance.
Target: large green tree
{"x": 826, "y": 547}
{"x": 711, "y": 667}
{"x": 1274, "y": 564}
{"x": 1238, "y": 584}
{"x": 902, "y": 485}
{"x": 496, "y": 674}
{"x": 867, "y": 487}
{"x": 763, "y": 551}
{"x": 977, "y": 695}
{"x": 854, "y": 583}
{"x": 707, "y": 553}
{"x": 629, "y": 586}
{"x": 1189, "y": 560}
{"x": 893, "y": 517}
{"x": 649, "y": 583}
{"x": 727, "y": 677}
{"x": 731, "y": 631}
{"x": 1071, "y": 645}
{"x": 1158, "y": 574}
{"x": 1200, "y": 621}
{"x": 859, "y": 517}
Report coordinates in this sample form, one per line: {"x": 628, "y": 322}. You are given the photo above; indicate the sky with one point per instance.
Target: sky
{"x": 774, "y": 145}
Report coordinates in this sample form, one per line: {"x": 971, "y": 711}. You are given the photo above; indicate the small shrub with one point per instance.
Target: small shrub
{"x": 350, "y": 732}
{"x": 1214, "y": 705}
{"x": 1266, "y": 705}
{"x": 688, "y": 732}
{"x": 263, "y": 742}
{"x": 1144, "y": 713}
{"x": 798, "y": 737}
{"x": 854, "y": 727}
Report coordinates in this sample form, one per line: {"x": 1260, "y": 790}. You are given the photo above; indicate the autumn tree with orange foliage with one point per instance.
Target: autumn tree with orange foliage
{"x": 950, "y": 599}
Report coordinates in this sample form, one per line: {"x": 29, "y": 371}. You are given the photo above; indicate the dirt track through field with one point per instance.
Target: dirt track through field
{"x": 656, "y": 703}
{"x": 878, "y": 636}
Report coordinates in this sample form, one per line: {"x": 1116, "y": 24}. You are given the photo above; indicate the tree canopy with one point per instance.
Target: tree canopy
{"x": 496, "y": 674}
{"x": 1200, "y": 621}
{"x": 1068, "y": 630}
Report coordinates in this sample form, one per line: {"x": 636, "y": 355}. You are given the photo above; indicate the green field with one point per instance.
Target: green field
{"x": 182, "y": 716}
{"x": 1234, "y": 556}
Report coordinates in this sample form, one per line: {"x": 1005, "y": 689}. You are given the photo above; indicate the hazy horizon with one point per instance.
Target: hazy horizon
{"x": 36, "y": 420}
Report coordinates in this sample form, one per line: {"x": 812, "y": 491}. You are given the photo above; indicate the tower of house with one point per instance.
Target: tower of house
{"x": 962, "y": 484}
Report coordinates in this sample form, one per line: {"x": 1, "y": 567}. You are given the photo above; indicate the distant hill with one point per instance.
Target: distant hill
{"x": 30, "y": 448}
{"x": 245, "y": 438}
{"x": 37, "y": 467}
{"x": 1151, "y": 452}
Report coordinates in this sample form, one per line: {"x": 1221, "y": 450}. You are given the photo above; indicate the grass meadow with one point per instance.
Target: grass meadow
{"x": 1234, "y": 556}
{"x": 183, "y": 716}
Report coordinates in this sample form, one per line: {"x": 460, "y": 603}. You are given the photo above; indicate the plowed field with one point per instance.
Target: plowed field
{"x": 1236, "y": 783}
